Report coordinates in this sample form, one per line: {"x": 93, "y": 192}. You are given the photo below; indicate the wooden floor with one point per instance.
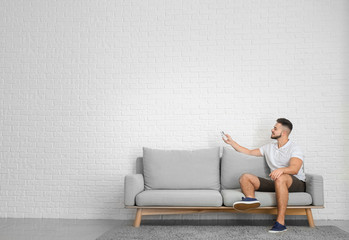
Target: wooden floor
{"x": 65, "y": 229}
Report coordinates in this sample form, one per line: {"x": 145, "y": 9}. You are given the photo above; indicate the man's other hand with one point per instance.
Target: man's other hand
{"x": 276, "y": 173}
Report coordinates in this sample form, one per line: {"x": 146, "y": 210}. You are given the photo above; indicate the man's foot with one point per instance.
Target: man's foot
{"x": 278, "y": 228}
{"x": 247, "y": 203}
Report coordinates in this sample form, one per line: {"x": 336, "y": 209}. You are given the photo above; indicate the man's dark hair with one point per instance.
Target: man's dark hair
{"x": 285, "y": 122}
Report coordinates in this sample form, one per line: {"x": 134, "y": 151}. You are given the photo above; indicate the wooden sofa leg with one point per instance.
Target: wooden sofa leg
{"x": 138, "y": 218}
{"x": 310, "y": 217}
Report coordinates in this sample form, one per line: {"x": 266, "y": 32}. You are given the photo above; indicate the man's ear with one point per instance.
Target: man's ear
{"x": 285, "y": 132}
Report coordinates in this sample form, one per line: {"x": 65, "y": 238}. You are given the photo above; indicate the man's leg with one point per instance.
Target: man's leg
{"x": 249, "y": 184}
{"x": 282, "y": 185}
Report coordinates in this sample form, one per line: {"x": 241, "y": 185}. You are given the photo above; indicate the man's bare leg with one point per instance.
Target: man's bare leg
{"x": 249, "y": 184}
{"x": 281, "y": 189}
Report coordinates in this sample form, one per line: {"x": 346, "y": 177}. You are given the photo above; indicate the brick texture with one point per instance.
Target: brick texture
{"x": 84, "y": 85}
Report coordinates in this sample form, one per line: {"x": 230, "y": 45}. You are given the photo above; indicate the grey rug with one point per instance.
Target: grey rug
{"x": 223, "y": 232}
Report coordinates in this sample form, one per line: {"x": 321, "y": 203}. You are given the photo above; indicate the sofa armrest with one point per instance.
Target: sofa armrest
{"x": 134, "y": 184}
{"x": 315, "y": 187}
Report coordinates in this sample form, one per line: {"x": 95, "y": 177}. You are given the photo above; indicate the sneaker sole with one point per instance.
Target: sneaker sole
{"x": 246, "y": 206}
{"x": 272, "y": 231}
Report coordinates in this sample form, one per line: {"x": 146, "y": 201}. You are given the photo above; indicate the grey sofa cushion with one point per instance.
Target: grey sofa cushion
{"x": 189, "y": 198}
{"x": 267, "y": 199}
{"x": 234, "y": 164}
{"x": 181, "y": 169}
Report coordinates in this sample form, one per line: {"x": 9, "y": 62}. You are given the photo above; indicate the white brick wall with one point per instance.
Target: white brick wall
{"x": 86, "y": 84}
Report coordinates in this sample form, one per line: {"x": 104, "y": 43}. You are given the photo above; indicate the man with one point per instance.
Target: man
{"x": 285, "y": 160}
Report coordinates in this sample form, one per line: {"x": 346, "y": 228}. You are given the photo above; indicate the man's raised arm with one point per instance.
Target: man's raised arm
{"x": 237, "y": 147}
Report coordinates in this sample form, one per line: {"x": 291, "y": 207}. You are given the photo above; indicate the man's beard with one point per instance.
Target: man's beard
{"x": 276, "y": 137}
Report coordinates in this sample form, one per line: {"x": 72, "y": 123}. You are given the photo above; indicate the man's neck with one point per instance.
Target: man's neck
{"x": 282, "y": 142}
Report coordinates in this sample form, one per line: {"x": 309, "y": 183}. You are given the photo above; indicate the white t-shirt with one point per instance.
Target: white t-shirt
{"x": 280, "y": 157}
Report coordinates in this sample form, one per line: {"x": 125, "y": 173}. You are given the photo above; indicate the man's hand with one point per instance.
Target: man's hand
{"x": 239, "y": 148}
{"x": 229, "y": 140}
{"x": 276, "y": 173}
{"x": 295, "y": 165}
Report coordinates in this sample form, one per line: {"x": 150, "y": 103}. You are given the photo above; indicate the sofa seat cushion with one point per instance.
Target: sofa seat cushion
{"x": 199, "y": 198}
{"x": 267, "y": 199}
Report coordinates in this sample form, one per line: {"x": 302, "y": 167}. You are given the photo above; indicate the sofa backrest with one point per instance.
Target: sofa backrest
{"x": 234, "y": 164}
{"x": 181, "y": 169}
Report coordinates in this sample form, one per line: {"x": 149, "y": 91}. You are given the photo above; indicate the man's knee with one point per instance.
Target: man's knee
{"x": 284, "y": 179}
{"x": 244, "y": 177}
{"x": 247, "y": 177}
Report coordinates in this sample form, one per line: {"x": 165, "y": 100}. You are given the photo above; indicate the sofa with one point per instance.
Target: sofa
{"x": 200, "y": 181}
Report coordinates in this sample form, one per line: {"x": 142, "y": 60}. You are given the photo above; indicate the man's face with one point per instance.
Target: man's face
{"x": 276, "y": 132}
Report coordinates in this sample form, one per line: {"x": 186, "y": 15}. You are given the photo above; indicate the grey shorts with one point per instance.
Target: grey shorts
{"x": 268, "y": 185}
